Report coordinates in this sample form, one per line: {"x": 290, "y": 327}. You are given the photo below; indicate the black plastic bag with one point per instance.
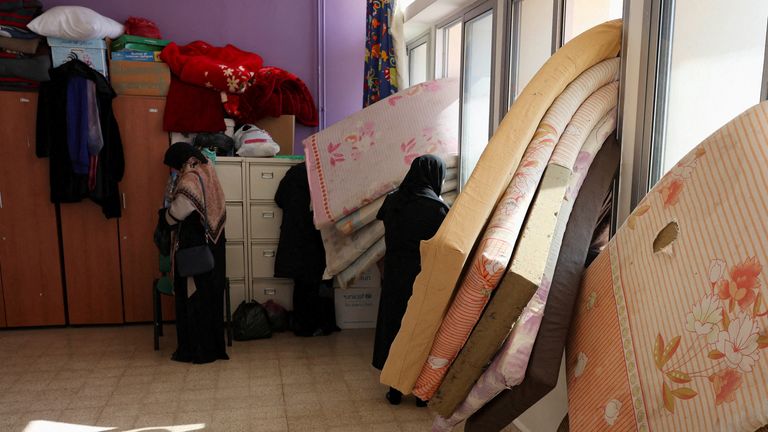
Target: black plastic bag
{"x": 250, "y": 321}
{"x": 218, "y": 142}
{"x": 278, "y": 316}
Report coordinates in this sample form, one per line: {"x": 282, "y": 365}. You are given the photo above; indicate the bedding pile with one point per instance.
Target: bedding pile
{"x": 486, "y": 274}
{"x": 353, "y": 164}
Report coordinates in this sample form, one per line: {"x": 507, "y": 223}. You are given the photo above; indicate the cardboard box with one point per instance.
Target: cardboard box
{"x": 369, "y": 278}
{"x": 91, "y": 52}
{"x": 357, "y": 308}
{"x": 281, "y": 129}
{"x": 140, "y": 78}
{"x": 132, "y": 55}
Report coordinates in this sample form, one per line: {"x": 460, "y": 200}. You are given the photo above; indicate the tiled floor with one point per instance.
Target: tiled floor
{"x": 110, "y": 377}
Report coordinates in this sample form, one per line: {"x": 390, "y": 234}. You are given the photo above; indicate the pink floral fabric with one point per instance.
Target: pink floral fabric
{"x": 366, "y": 155}
{"x": 670, "y": 328}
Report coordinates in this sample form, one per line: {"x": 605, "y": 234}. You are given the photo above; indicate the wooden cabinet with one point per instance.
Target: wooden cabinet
{"x": 29, "y": 249}
{"x": 109, "y": 264}
{"x": 144, "y": 145}
{"x": 91, "y": 264}
{"x": 2, "y": 304}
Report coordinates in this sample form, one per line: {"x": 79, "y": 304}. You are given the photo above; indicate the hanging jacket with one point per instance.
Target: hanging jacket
{"x": 67, "y": 185}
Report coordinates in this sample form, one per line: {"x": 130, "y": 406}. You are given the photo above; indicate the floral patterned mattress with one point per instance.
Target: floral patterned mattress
{"x": 671, "y": 325}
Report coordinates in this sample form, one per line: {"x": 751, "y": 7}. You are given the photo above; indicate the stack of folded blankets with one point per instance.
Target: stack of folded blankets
{"x": 209, "y": 83}
{"x": 479, "y": 301}
{"x": 24, "y": 59}
{"x": 355, "y": 163}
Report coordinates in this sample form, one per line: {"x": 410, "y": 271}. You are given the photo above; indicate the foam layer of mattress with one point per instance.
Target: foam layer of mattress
{"x": 443, "y": 257}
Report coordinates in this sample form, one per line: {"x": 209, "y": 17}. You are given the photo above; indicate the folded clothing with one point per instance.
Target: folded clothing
{"x": 190, "y": 108}
{"x": 8, "y": 31}
{"x": 274, "y": 92}
{"x": 18, "y": 13}
{"x": 228, "y": 69}
{"x": 24, "y": 45}
{"x": 34, "y": 68}
{"x": 17, "y": 84}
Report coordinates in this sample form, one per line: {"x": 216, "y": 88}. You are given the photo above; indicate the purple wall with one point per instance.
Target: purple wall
{"x": 344, "y": 57}
{"x": 283, "y": 33}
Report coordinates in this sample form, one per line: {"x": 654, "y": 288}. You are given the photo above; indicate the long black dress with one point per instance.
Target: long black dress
{"x": 198, "y": 210}
{"x": 200, "y": 317}
{"x": 411, "y": 214}
{"x": 301, "y": 256}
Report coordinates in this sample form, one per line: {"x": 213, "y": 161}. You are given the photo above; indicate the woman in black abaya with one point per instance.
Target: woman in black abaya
{"x": 198, "y": 198}
{"x": 411, "y": 214}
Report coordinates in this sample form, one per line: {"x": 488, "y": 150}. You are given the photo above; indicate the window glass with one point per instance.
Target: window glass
{"x": 715, "y": 73}
{"x": 448, "y": 62}
{"x": 476, "y": 101}
{"x": 582, "y": 15}
{"x": 535, "y": 44}
{"x": 417, "y": 64}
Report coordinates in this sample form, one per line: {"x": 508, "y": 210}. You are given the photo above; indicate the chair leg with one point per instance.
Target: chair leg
{"x": 228, "y": 305}
{"x": 156, "y": 316}
{"x": 159, "y": 307}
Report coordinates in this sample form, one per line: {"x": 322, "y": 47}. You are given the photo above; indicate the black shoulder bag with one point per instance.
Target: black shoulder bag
{"x": 196, "y": 260}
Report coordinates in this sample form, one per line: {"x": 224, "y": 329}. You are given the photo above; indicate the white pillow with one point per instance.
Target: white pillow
{"x": 75, "y": 23}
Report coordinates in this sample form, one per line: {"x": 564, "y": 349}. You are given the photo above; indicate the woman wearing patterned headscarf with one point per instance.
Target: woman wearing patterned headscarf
{"x": 197, "y": 209}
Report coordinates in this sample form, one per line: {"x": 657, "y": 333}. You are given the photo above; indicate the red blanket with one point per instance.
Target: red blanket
{"x": 228, "y": 69}
{"x": 274, "y": 92}
{"x": 190, "y": 108}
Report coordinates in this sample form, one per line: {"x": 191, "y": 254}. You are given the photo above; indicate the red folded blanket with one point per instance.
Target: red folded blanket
{"x": 190, "y": 108}
{"x": 228, "y": 69}
{"x": 274, "y": 92}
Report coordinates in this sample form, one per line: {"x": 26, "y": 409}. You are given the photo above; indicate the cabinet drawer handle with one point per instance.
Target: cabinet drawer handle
{"x": 267, "y": 175}
{"x": 268, "y": 253}
{"x": 23, "y": 100}
{"x": 268, "y": 215}
{"x": 154, "y": 110}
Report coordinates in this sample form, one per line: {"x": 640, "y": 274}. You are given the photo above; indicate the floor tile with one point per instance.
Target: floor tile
{"x": 110, "y": 377}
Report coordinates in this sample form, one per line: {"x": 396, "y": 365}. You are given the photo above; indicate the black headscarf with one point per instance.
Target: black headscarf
{"x": 423, "y": 180}
{"x": 179, "y": 153}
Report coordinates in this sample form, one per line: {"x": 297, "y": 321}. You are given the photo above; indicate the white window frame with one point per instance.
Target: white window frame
{"x": 423, "y": 39}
